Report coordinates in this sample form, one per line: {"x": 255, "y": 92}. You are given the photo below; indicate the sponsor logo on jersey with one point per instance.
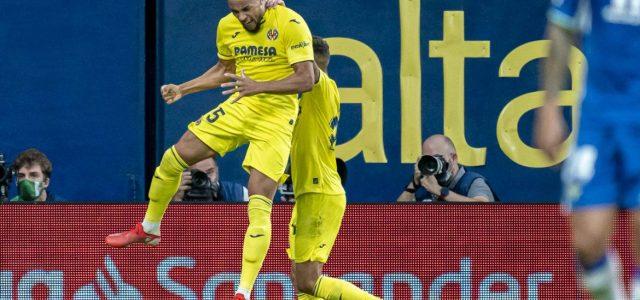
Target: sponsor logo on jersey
{"x": 255, "y": 51}
{"x": 300, "y": 45}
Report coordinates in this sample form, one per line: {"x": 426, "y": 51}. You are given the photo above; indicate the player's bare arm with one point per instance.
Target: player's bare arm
{"x": 550, "y": 127}
{"x": 299, "y": 82}
{"x": 210, "y": 79}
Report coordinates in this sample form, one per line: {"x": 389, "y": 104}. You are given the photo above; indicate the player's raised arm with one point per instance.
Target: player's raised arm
{"x": 210, "y": 79}
{"x": 299, "y": 82}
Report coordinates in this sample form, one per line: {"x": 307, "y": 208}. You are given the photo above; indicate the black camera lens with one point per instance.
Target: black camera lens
{"x": 202, "y": 189}
{"x": 199, "y": 180}
{"x": 432, "y": 165}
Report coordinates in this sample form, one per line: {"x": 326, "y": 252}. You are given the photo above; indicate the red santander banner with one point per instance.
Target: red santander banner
{"x": 395, "y": 251}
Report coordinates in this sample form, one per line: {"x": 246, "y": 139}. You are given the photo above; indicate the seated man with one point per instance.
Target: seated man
{"x": 201, "y": 182}
{"x": 33, "y": 175}
{"x": 449, "y": 182}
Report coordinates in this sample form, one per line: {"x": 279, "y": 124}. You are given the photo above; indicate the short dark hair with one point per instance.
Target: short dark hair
{"x": 320, "y": 46}
{"x": 33, "y": 156}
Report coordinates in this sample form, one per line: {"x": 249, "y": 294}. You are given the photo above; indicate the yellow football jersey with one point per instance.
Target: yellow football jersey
{"x": 313, "y": 158}
{"x": 283, "y": 39}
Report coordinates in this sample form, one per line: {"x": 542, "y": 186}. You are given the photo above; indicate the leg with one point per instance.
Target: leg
{"x": 257, "y": 238}
{"x": 591, "y": 187}
{"x": 629, "y": 140}
{"x": 215, "y": 133}
{"x": 305, "y": 275}
{"x": 164, "y": 185}
{"x": 266, "y": 159}
{"x": 166, "y": 178}
{"x": 591, "y": 230}
{"x": 315, "y": 225}
{"x": 261, "y": 184}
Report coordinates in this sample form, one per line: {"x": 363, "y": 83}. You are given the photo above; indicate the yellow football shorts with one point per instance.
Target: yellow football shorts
{"x": 231, "y": 125}
{"x": 314, "y": 226}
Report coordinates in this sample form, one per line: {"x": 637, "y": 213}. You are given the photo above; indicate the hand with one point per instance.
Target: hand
{"x": 170, "y": 93}
{"x": 431, "y": 185}
{"x": 185, "y": 185}
{"x": 416, "y": 173}
{"x": 272, "y": 3}
{"x": 243, "y": 85}
{"x": 550, "y": 129}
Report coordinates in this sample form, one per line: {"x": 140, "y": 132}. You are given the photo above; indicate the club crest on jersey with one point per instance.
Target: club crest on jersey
{"x": 272, "y": 34}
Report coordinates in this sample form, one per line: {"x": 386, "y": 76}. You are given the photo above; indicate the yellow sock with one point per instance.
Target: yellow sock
{"x": 256, "y": 240}
{"x": 164, "y": 185}
{"x": 303, "y": 296}
{"x": 333, "y": 288}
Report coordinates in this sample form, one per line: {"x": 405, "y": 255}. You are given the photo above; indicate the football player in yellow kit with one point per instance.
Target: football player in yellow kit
{"x": 320, "y": 199}
{"x": 319, "y": 196}
{"x": 273, "y": 47}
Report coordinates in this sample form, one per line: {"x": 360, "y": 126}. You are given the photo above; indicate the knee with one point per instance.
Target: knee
{"x": 293, "y": 280}
{"x": 589, "y": 247}
{"x": 266, "y": 189}
{"x": 306, "y": 284}
{"x": 192, "y": 150}
{"x": 258, "y": 230}
{"x": 261, "y": 184}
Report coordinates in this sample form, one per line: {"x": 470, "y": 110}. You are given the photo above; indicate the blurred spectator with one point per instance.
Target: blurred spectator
{"x": 33, "y": 175}
{"x": 201, "y": 182}
{"x": 449, "y": 180}
{"x": 286, "y": 188}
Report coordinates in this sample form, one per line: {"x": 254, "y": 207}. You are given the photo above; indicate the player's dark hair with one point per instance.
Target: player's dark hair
{"x": 320, "y": 46}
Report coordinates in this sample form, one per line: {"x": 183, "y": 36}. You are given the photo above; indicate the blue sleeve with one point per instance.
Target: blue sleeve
{"x": 566, "y": 13}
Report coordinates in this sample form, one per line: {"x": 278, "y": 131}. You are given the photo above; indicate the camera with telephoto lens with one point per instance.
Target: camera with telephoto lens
{"x": 5, "y": 179}
{"x": 432, "y": 165}
{"x": 202, "y": 189}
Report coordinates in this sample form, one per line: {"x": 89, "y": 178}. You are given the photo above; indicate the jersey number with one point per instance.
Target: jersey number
{"x": 215, "y": 115}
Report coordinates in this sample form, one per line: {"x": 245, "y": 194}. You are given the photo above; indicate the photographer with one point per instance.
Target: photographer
{"x": 438, "y": 176}
{"x": 201, "y": 183}
{"x": 33, "y": 174}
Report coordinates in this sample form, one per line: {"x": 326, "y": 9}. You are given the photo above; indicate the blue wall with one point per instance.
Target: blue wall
{"x": 72, "y": 76}
{"x": 73, "y": 86}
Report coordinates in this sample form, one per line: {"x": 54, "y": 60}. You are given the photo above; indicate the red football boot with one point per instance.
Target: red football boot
{"x": 239, "y": 296}
{"x": 135, "y": 235}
